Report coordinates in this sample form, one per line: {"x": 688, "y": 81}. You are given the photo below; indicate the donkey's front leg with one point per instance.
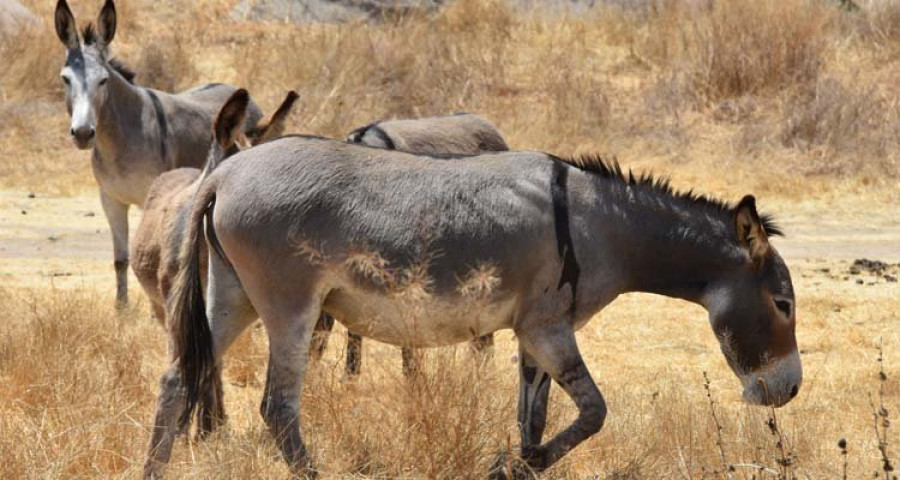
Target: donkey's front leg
{"x": 117, "y": 216}
{"x": 554, "y": 350}
{"x": 534, "y": 388}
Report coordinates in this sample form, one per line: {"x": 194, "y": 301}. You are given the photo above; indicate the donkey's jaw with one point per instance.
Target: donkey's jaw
{"x": 83, "y": 144}
{"x": 775, "y": 384}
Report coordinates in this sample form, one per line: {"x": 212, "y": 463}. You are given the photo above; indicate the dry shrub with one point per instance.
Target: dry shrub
{"x": 32, "y": 61}
{"x": 402, "y": 69}
{"x": 877, "y": 21}
{"x": 732, "y": 48}
{"x": 165, "y": 64}
{"x": 840, "y": 124}
{"x": 465, "y": 57}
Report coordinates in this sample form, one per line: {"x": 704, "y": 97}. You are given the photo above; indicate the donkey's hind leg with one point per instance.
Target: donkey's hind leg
{"x": 320, "y": 335}
{"x": 230, "y": 313}
{"x": 411, "y": 362}
{"x": 290, "y": 332}
{"x": 168, "y": 404}
{"x": 354, "y": 354}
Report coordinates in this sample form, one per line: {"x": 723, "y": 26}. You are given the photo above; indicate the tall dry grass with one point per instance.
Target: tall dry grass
{"x": 79, "y": 383}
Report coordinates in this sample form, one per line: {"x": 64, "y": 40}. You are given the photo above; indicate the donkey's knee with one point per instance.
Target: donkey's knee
{"x": 594, "y": 416}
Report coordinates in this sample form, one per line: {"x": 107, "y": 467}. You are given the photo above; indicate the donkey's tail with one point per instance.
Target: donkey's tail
{"x": 190, "y": 327}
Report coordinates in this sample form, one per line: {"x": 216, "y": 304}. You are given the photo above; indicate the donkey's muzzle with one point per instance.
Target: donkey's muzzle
{"x": 83, "y": 136}
{"x": 777, "y": 384}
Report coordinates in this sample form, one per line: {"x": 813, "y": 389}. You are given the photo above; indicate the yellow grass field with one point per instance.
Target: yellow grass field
{"x": 795, "y": 101}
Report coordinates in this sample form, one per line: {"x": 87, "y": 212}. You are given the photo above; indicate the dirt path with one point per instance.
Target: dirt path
{"x": 66, "y": 239}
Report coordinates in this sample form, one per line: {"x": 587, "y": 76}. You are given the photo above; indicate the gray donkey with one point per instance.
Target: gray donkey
{"x": 457, "y": 134}
{"x": 462, "y": 133}
{"x": 514, "y": 240}
{"x": 136, "y": 133}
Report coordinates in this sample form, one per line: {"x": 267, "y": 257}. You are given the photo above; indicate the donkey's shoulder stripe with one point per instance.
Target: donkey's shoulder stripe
{"x": 559, "y": 191}
{"x": 162, "y": 122}
{"x": 378, "y": 131}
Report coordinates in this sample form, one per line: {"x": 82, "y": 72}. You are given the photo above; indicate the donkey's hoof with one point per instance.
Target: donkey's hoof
{"x": 305, "y": 472}
{"x": 507, "y": 467}
{"x": 122, "y": 303}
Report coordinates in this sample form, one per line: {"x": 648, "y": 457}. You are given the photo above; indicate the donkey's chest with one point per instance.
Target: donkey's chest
{"x": 126, "y": 176}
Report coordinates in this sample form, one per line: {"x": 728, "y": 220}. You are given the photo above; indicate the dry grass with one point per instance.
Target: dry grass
{"x": 793, "y": 100}
{"x": 77, "y": 396}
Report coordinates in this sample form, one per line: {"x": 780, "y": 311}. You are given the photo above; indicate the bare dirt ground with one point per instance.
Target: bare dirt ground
{"x": 65, "y": 239}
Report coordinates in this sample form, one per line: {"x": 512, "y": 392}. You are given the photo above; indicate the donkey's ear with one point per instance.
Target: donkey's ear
{"x": 106, "y": 23}
{"x": 230, "y": 121}
{"x": 276, "y": 125}
{"x": 66, "y": 29}
{"x": 751, "y": 234}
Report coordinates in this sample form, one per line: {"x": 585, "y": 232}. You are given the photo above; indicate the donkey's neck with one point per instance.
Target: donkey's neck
{"x": 119, "y": 120}
{"x": 664, "y": 243}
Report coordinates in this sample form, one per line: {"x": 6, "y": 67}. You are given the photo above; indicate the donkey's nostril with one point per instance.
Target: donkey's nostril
{"x": 72, "y": 131}
{"x": 794, "y": 391}
{"x": 83, "y": 133}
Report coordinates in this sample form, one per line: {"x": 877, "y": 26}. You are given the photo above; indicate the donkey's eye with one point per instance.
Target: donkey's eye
{"x": 784, "y": 306}
{"x": 66, "y": 81}
{"x": 103, "y": 82}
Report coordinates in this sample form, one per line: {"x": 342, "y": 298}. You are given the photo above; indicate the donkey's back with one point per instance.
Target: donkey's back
{"x": 410, "y": 209}
{"x": 188, "y": 116}
{"x": 462, "y": 133}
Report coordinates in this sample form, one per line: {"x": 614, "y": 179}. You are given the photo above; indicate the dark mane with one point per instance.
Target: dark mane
{"x": 89, "y": 34}
{"x": 660, "y": 185}
{"x": 89, "y": 37}
{"x": 122, "y": 69}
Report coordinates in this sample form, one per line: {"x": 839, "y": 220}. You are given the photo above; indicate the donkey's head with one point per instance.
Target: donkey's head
{"x": 228, "y": 127}
{"x": 751, "y": 309}
{"x": 87, "y": 71}
{"x": 274, "y": 128}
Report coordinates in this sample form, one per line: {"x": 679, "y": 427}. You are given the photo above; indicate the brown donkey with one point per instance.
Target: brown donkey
{"x": 154, "y": 248}
{"x": 157, "y": 241}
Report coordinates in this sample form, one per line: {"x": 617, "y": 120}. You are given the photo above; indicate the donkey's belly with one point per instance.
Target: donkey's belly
{"x": 408, "y": 320}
